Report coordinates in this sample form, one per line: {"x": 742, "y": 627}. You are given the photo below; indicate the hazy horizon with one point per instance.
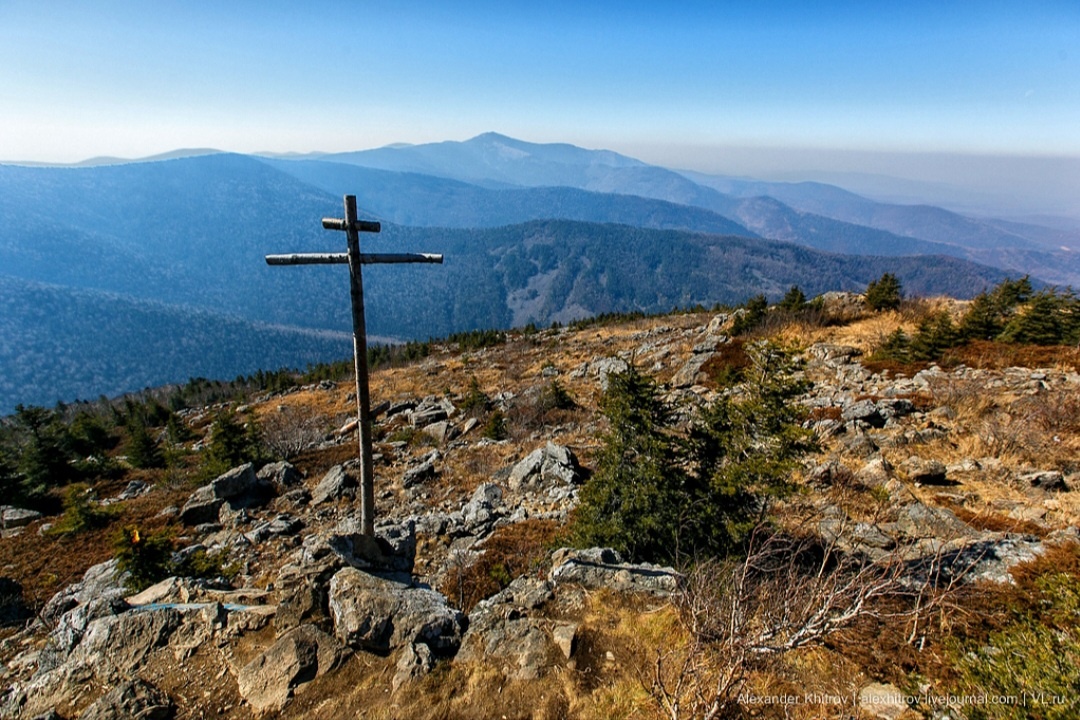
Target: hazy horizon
{"x": 763, "y": 89}
{"x": 127, "y": 79}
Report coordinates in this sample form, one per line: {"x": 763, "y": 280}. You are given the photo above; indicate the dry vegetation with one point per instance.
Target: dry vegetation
{"x": 763, "y": 630}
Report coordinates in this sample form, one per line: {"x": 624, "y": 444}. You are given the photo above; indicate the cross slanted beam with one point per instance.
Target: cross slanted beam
{"x": 356, "y": 260}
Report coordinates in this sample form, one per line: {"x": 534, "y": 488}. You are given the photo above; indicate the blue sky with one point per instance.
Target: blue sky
{"x": 674, "y": 83}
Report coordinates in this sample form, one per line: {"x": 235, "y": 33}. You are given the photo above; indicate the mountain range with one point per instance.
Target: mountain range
{"x": 172, "y": 250}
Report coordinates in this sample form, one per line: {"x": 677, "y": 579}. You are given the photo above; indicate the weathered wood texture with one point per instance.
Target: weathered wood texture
{"x": 356, "y": 260}
{"x": 343, "y": 258}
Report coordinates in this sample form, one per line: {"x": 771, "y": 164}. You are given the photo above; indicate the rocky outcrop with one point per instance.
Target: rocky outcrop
{"x": 506, "y": 631}
{"x": 131, "y": 699}
{"x": 393, "y": 549}
{"x": 604, "y": 568}
{"x": 239, "y": 488}
{"x": 548, "y": 466}
{"x": 336, "y": 484}
{"x": 415, "y": 661}
{"x": 122, "y": 642}
{"x": 15, "y": 517}
{"x": 297, "y": 657}
{"x": 373, "y": 613}
{"x": 281, "y": 475}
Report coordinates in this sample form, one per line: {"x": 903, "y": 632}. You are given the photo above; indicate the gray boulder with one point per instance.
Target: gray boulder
{"x": 131, "y": 699}
{"x": 875, "y": 473}
{"x": 374, "y": 613}
{"x": 1048, "y": 480}
{"x": 503, "y": 631}
{"x": 239, "y": 483}
{"x": 202, "y": 507}
{"x": 865, "y": 411}
{"x": 691, "y": 372}
{"x": 122, "y": 642}
{"x": 239, "y": 488}
{"x": 430, "y": 410}
{"x": 483, "y": 508}
{"x": 335, "y": 484}
{"x": 551, "y": 465}
{"x": 393, "y": 549}
{"x": 13, "y": 517}
{"x": 420, "y": 473}
{"x": 608, "y": 366}
{"x": 597, "y": 568}
{"x": 416, "y": 661}
{"x": 918, "y": 520}
{"x": 297, "y": 657}
{"x": 924, "y": 472}
{"x": 282, "y": 475}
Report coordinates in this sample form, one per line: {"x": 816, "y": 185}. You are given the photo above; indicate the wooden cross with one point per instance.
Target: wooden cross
{"x": 355, "y": 259}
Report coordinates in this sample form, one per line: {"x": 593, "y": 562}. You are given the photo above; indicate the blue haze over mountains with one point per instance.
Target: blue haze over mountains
{"x": 117, "y": 277}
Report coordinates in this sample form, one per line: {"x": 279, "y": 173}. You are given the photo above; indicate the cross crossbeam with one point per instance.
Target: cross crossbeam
{"x": 343, "y": 258}
{"x": 356, "y": 260}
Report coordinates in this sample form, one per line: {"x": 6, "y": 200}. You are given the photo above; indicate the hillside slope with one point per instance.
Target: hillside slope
{"x": 65, "y": 344}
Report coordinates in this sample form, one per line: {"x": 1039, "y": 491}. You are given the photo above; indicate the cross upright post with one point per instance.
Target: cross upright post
{"x": 360, "y": 364}
{"x": 356, "y": 260}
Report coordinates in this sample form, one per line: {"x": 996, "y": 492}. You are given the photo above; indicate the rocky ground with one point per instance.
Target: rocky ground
{"x": 969, "y": 467}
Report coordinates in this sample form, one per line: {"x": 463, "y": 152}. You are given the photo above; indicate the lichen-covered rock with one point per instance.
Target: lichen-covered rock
{"x": 416, "y": 661}
{"x": 131, "y": 699}
{"x": 13, "y": 517}
{"x": 483, "y": 508}
{"x": 282, "y": 475}
{"x": 334, "y": 485}
{"x": 923, "y": 471}
{"x": 122, "y": 642}
{"x": 865, "y": 411}
{"x": 1048, "y": 480}
{"x": 604, "y": 568}
{"x": 202, "y": 507}
{"x": 544, "y": 467}
{"x": 297, "y": 657}
{"x": 503, "y": 631}
{"x": 918, "y": 520}
{"x": 374, "y": 613}
{"x": 393, "y": 549}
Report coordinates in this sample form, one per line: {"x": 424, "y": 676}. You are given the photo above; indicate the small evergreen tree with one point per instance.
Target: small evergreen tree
{"x": 10, "y": 481}
{"x": 636, "y": 499}
{"x": 1039, "y": 323}
{"x": 747, "y": 444}
{"x": 231, "y": 444}
{"x": 80, "y": 512}
{"x": 1010, "y": 294}
{"x": 555, "y": 397}
{"x": 45, "y": 458}
{"x": 936, "y": 335}
{"x": 794, "y": 300}
{"x": 983, "y": 320}
{"x": 884, "y": 293}
{"x": 142, "y": 450}
{"x": 752, "y": 315}
{"x": 146, "y": 558}
{"x": 476, "y": 400}
{"x": 495, "y": 427}
{"x": 662, "y": 496}
{"x": 897, "y": 347}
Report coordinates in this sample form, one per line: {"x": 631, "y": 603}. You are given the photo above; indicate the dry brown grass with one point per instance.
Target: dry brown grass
{"x": 591, "y": 687}
{"x": 512, "y": 551}
{"x": 997, "y": 355}
{"x": 45, "y": 564}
